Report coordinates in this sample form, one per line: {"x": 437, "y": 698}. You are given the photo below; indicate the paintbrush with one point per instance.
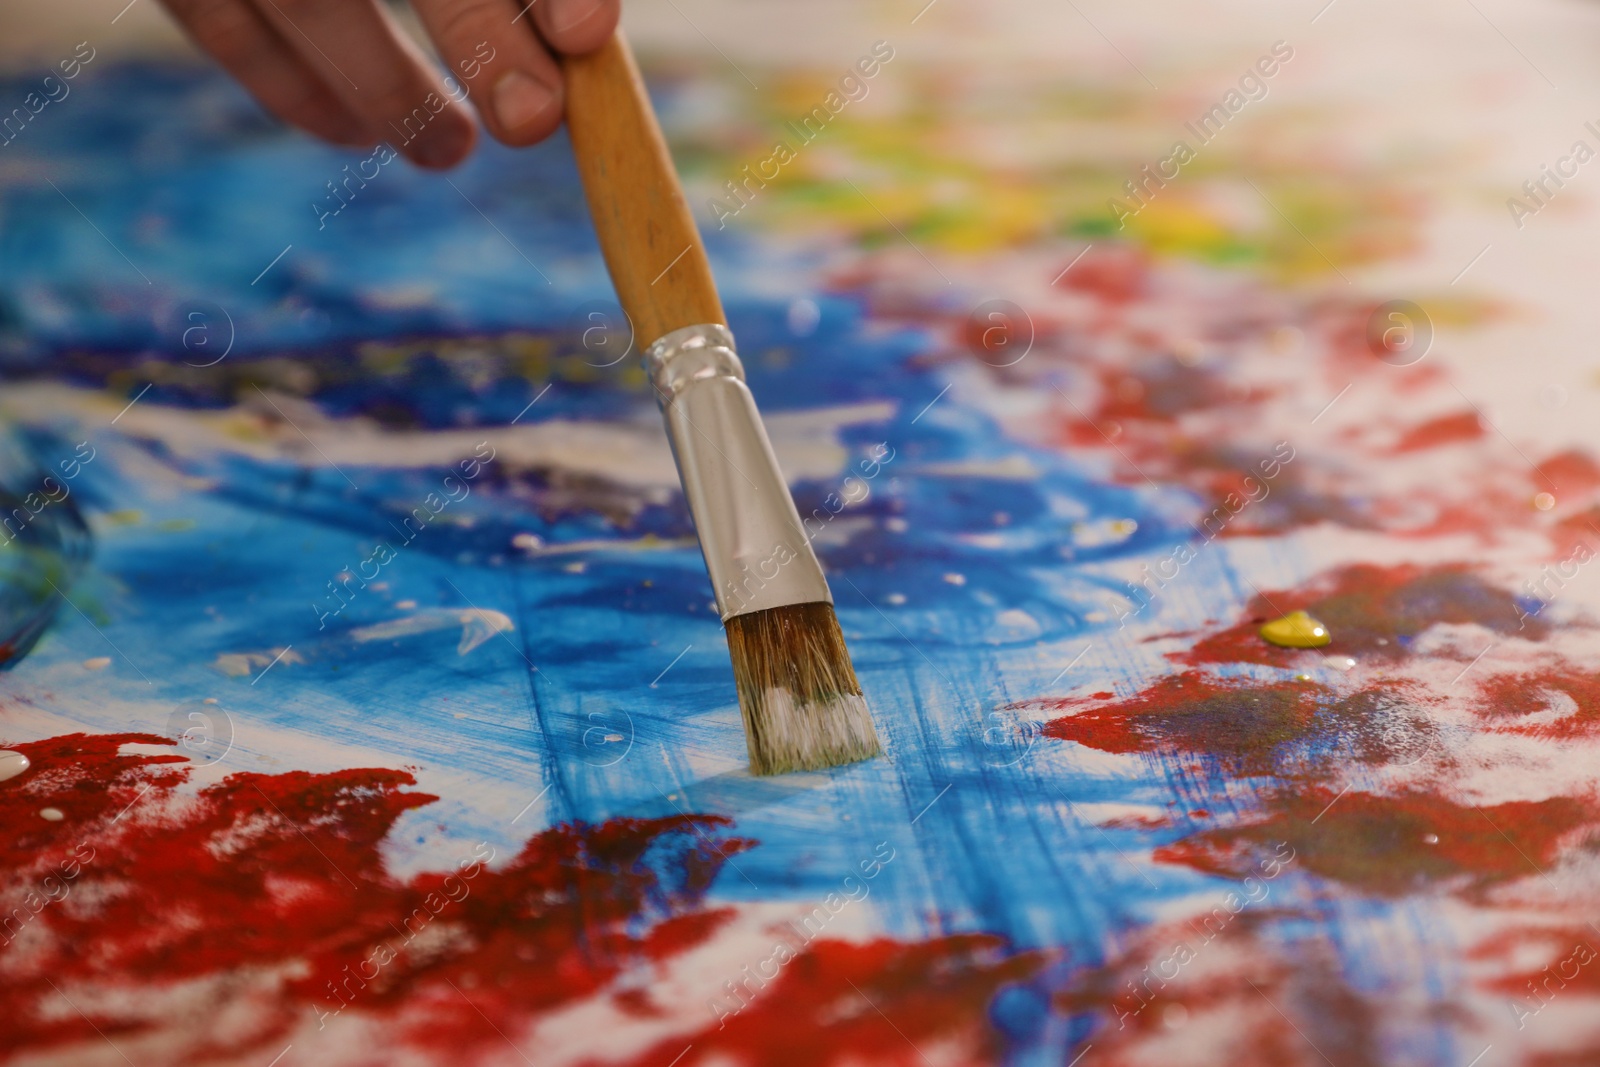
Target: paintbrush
{"x": 802, "y": 705}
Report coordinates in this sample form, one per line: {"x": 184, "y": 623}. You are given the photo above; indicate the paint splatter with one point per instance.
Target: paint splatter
{"x": 1296, "y": 630}
{"x": 1556, "y": 702}
{"x": 1446, "y": 429}
{"x": 271, "y": 891}
{"x": 1248, "y": 726}
{"x": 1375, "y": 844}
{"x": 1376, "y": 611}
{"x": 1210, "y": 990}
{"x": 882, "y": 1002}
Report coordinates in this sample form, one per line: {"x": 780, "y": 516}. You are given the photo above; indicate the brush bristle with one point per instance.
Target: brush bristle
{"x": 802, "y": 706}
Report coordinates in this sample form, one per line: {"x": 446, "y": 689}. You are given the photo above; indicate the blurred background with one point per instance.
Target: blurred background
{"x": 1449, "y": 104}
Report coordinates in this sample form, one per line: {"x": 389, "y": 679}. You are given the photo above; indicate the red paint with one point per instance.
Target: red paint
{"x": 1578, "y": 528}
{"x": 1143, "y": 419}
{"x": 268, "y": 898}
{"x": 1372, "y": 611}
{"x": 280, "y": 872}
{"x": 1344, "y": 324}
{"x": 1193, "y": 712}
{"x": 1507, "y": 700}
{"x": 1229, "y": 982}
{"x": 1569, "y": 472}
{"x": 1117, "y": 274}
{"x": 1160, "y": 389}
{"x": 1253, "y": 727}
{"x": 1444, "y": 430}
{"x": 876, "y": 1003}
{"x": 1380, "y": 844}
{"x": 1569, "y": 964}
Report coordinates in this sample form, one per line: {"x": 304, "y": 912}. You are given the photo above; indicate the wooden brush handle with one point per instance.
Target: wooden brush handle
{"x": 651, "y": 244}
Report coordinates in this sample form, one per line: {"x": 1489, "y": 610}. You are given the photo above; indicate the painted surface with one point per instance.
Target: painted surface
{"x": 375, "y": 709}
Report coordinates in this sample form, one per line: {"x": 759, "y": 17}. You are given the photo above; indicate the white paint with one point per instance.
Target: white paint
{"x": 477, "y": 626}
{"x": 51, "y": 814}
{"x": 12, "y": 764}
{"x": 631, "y": 454}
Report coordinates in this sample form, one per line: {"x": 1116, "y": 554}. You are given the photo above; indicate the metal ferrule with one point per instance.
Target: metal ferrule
{"x": 756, "y": 550}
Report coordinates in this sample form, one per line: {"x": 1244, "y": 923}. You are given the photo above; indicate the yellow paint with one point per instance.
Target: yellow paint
{"x": 1296, "y": 630}
{"x": 1180, "y": 227}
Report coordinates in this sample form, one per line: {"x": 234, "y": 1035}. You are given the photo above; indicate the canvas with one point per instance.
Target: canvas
{"x": 365, "y": 700}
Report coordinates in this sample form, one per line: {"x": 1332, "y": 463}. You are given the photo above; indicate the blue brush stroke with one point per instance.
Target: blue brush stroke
{"x": 196, "y": 194}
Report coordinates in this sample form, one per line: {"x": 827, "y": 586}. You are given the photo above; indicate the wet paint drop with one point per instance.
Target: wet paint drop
{"x": 51, "y": 814}
{"x": 1296, "y": 630}
{"x": 956, "y": 579}
{"x": 98, "y": 663}
{"x": 12, "y": 764}
{"x": 896, "y": 598}
{"x": 1340, "y": 663}
{"x": 1544, "y": 501}
{"x": 1430, "y": 839}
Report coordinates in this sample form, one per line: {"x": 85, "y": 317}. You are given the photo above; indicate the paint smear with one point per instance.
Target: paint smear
{"x": 1376, "y": 611}
{"x": 1250, "y": 727}
{"x": 270, "y": 893}
{"x": 1379, "y": 844}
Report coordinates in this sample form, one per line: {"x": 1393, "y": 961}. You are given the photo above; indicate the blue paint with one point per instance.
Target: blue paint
{"x": 960, "y": 593}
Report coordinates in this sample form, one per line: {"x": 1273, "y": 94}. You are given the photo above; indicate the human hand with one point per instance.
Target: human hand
{"x": 344, "y": 71}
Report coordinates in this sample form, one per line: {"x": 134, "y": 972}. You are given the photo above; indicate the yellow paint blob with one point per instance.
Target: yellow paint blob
{"x": 1296, "y": 630}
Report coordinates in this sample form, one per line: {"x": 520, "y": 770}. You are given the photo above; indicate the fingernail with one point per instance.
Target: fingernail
{"x": 520, "y": 100}
{"x": 569, "y": 13}
{"x": 444, "y": 144}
